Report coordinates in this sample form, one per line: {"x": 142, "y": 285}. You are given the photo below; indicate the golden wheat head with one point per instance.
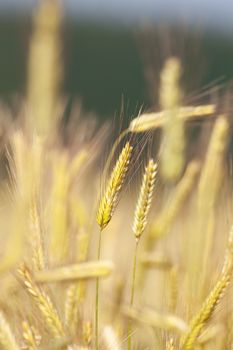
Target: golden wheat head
{"x": 108, "y": 201}
{"x": 145, "y": 198}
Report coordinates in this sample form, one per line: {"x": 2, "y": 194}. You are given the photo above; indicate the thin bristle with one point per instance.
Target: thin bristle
{"x": 144, "y": 200}
{"x": 108, "y": 201}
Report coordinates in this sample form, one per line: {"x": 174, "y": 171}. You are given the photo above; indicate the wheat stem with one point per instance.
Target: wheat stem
{"x": 132, "y": 291}
{"x": 97, "y": 297}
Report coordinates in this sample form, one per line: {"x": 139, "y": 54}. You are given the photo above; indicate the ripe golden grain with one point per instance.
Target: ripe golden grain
{"x": 109, "y": 199}
{"x": 144, "y": 200}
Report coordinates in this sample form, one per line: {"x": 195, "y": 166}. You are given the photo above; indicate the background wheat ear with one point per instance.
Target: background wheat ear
{"x": 200, "y": 320}
{"x": 154, "y": 120}
{"x": 43, "y": 303}
{"x": 7, "y": 339}
{"x": 31, "y": 336}
{"x": 173, "y": 142}
{"x": 44, "y": 59}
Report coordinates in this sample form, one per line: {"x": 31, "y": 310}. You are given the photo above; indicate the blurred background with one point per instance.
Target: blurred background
{"x": 112, "y": 50}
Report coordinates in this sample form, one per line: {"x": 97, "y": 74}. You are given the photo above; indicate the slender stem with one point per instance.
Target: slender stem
{"x": 134, "y": 274}
{"x": 132, "y": 291}
{"x": 97, "y": 299}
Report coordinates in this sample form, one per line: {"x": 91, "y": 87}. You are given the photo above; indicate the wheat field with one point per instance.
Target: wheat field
{"x": 124, "y": 244}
